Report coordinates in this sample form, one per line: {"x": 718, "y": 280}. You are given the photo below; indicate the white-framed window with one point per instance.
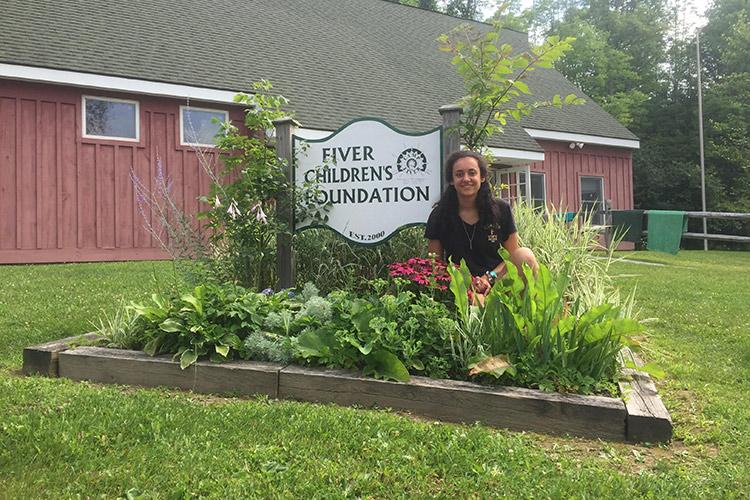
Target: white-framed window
{"x": 592, "y": 198}
{"x": 514, "y": 183}
{"x": 199, "y": 126}
{"x": 110, "y": 118}
{"x": 538, "y": 198}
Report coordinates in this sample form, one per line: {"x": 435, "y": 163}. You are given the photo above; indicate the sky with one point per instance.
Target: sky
{"x": 695, "y": 15}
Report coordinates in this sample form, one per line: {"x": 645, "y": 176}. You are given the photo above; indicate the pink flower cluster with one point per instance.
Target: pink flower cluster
{"x": 424, "y": 272}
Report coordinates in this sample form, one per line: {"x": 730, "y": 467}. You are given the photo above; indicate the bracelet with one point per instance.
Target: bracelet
{"x": 491, "y": 277}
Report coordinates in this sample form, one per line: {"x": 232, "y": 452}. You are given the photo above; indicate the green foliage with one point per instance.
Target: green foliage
{"x": 728, "y": 141}
{"x": 252, "y": 189}
{"x": 119, "y": 330}
{"x": 572, "y": 248}
{"x": 638, "y": 61}
{"x": 549, "y": 342}
{"x": 494, "y": 76}
{"x": 384, "y": 335}
{"x": 264, "y": 346}
{"x": 466, "y": 9}
{"x": 195, "y": 325}
{"x": 334, "y": 263}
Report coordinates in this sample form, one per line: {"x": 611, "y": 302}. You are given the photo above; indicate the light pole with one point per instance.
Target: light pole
{"x": 700, "y": 134}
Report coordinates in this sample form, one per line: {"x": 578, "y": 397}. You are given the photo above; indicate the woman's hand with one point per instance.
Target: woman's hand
{"x": 481, "y": 285}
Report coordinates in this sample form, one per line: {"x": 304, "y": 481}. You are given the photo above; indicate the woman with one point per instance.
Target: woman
{"x": 468, "y": 223}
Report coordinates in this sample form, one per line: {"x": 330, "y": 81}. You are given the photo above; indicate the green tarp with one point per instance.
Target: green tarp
{"x": 629, "y": 224}
{"x": 665, "y": 228}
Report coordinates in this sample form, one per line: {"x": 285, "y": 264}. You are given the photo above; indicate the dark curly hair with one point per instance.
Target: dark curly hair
{"x": 489, "y": 212}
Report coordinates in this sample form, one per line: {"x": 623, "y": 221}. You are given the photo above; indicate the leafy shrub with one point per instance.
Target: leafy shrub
{"x": 385, "y": 335}
{"x": 252, "y": 189}
{"x": 334, "y": 263}
{"x": 119, "y": 330}
{"x": 528, "y": 332}
{"x": 573, "y": 249}
{"x": 261, "y": 346}
{"x": 237, "y": 241}
{"x": 210, "y": 321}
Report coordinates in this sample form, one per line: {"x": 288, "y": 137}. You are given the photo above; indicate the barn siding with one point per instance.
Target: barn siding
{"x": 64, "y": 198}
{"x": 563, "y": 168}
{"x": 8, "y": 173}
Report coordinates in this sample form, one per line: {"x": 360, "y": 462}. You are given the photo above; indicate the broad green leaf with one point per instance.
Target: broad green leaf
{"x": 222, "y": 349}
{"x": 152, "y": 346}
{"x": 316, "y": 343}
{"x": 385, "y": 365}
{"x": 521, "y": 86}
{"x": 171, "y": 325}
{"x": 188, "y": 357}
{"x": 627, "y": 326}
{"x": 364, "y": 349}
{"x": 216, "y": 358}
{"x": 193, "y": 301}
{"x": 361, "y": 319}
{"x": 231, "y": 340}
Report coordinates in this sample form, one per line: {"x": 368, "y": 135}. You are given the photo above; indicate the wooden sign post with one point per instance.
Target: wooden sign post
{"x": 451, "y": 114}
{"x": 285, "y": 208}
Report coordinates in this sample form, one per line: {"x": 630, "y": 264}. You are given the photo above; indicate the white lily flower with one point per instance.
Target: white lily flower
{"x": 217, "y": 202}
{"x": 234, "y": 210}
{"x": 260, "y": 215}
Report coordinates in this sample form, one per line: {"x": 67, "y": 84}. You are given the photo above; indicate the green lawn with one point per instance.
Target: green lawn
{"x": 64, "y": 439}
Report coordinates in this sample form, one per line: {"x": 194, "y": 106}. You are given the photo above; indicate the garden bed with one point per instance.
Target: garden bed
{"x": 641, "y": 416}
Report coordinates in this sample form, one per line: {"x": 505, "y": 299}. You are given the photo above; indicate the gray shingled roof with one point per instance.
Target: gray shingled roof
{"x": 335, "y": 60}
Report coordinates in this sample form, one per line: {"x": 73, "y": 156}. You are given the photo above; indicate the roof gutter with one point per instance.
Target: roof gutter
{"x": 582, "y": 138}
{"x": 114, "y": 83}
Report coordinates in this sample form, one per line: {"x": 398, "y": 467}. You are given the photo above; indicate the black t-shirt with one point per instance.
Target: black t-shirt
{"x": 477, "y": 244}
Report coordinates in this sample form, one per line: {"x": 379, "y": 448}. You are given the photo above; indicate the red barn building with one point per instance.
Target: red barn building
{"x": 92, "y": 94}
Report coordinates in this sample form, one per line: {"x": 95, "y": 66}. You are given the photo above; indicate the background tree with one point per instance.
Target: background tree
{"x": 637, "y": 59}
{"x": 467, "y": 9}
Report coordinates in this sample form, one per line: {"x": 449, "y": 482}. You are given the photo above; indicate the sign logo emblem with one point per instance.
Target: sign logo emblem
{"x": 411, "y": 161}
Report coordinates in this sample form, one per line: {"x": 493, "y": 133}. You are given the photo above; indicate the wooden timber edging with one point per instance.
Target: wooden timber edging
{"x": 42, "y": 359}
{"x": 648, "y": 418}
{"x": 638, "y": 418}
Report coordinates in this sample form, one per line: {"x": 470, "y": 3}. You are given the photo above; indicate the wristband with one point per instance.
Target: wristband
{"x": 491, "y": 277}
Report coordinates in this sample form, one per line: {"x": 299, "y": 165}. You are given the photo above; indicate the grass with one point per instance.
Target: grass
{"x": 65, "y": 439}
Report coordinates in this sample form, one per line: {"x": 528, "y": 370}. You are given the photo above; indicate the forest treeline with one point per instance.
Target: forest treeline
{"x": 637, "y": 59}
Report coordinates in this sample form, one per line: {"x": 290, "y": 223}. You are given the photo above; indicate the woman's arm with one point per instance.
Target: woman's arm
{"x": 520, "y": 255}
{"x": 511, "y": 244}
